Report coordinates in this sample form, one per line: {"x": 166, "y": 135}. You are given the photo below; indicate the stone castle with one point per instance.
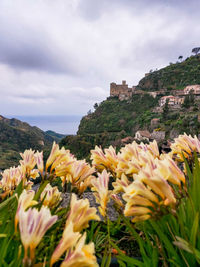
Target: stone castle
{"x": 122, "y": 91}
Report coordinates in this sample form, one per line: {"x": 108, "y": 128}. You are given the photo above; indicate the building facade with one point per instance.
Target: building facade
{"x": 122, "y": 91}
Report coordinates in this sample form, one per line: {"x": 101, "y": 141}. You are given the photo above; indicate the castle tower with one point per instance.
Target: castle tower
{"x": 113, "y": 89}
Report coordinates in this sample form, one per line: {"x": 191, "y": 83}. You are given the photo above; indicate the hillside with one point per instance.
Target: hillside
{"x": 56, "y": 136}
{"x": 114, "y": 121}
{"x": 175, "y": 76}
{"x": 16, "y": 136}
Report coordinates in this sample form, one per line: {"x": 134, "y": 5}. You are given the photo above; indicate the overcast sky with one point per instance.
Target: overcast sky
{"x": 59, "y": 56}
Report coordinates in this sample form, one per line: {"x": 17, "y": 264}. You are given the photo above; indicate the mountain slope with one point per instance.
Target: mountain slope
{"x": 16, "y": 136}
{"x": 175, "y": 76}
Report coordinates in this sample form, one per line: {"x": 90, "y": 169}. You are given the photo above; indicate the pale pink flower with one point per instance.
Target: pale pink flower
{"x": 51, "y": 196}
{"x": 25, "y": 201}
{"x": 101, "y": 192}
{"x": 81, "y": 213}
{"x": 81, "y": 255}
{"x": 33, "y": 224}
{"x": 69, "y": 239}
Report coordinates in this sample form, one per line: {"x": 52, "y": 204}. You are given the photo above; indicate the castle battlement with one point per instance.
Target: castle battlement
{"x": 122, "y": 91}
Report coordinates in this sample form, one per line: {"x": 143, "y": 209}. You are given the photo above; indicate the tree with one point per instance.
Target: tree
{"x": 189, "y": 100}
{"x": 186, "y": 102}
{"x": 165, "y": 109}
{"x": 191, "y": 97}
{"x": 95, "y": 106}
{"x": 180, "y": 58}
{"x": 196, "y": 50}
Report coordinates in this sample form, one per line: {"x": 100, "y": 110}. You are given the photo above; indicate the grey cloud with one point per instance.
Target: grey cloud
{"x": 89, "y": 43}
{"x": 30, "y": 49}
{"x": 94, "y": 9}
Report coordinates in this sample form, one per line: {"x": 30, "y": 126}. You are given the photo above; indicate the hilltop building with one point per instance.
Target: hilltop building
{"x": 195, "y": 89}
{"x": 142, "y": 135}
{"x": 173, "y": 100}
{"x": 122, "y": 91}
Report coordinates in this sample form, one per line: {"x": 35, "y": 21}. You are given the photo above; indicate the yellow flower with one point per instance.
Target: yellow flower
{"x": 78, "y": 172}
{"x": 81, "y": 255}
{"x": 65, "y": 158}
{"x": 133, "y": 157}
{"x": 137, "y": 210}
{"x": 186, "y": 145}
{"x": 101, "y": 192}
{"x": 81, "y": 213}
{"x": 25, "y": 201}
{"x": 54, "y": 153}
{"x": 39, "y": 161}
{"x": 170, "y": 171}
{"x": 102, "y": 161}
{"x": 120, "y": 184}
{"x": 141, "y": 218}
{"x": 153, "y": 148}
{"x": 58, "y": 157}
{"x": 28, "y": 160}
{"x": 137, "y": 200}
{"x": 33, "y": 224}
{"x": 12, "y": 177}
{"x": 52, "y": 196}
{"x": 157, "y": 183}
{"x": 69, "y": 239}
{"x": 138, "y": 188}
{"x": 82, "y": 186}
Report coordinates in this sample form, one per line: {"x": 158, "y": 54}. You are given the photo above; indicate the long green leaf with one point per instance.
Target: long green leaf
{"x": 165, "y": 240}
{"x": 40, "y": 190}
{"x": 126, "y": 258}
{"x": 194, "y": 230}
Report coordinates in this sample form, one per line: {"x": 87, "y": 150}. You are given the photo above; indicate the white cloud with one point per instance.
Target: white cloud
{"x": 59, "y": 57}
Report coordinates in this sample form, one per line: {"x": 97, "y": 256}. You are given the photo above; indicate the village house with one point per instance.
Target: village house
{"x": 194, "y": 88}
{"x": 173, "y": 100}
{"x": 122, "y": 91}
{"x": 158, "y": 135}
{"x": 157, "y": 93}
{"x": 142, "y": 135}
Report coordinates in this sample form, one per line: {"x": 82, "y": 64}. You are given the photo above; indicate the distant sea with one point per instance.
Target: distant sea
{"x": 60, "y": 124}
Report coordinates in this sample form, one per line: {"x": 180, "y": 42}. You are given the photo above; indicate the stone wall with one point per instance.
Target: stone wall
{"x": 158, "y": 135}
{"x": 122, "y": 91}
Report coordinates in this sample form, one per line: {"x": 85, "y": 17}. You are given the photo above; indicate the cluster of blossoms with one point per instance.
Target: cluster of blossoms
{"x": 144, "y": 178}
{"x": 184, "y": 146}
{"x": 34, "y": 223}
{"x": 146, "y": 183}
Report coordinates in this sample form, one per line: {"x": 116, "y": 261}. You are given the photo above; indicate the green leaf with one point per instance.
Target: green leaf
{"x": 40, "y": 190}
{"x": 7, "y": 203}
{"x": 108, "y": 261}
{"x": 103, "y": 262}
{"x": 125, "y": 258}
{"x": 165, "y": 240}
{"x": 194, "y": 230}
{"x": 3, "y": 235}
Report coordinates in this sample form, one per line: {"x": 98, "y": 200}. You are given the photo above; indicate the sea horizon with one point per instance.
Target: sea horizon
{"x": 63, "y": 124}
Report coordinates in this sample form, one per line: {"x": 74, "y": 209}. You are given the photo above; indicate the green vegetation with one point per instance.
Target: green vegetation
{"x": 157, "y": 217}
{"x": 56, "y": 136}
{"x": 175, "y": 76}
{"x": 113, "y": 115}
{"x": 16, "y": 136}
{"x": 110, "y": 122}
